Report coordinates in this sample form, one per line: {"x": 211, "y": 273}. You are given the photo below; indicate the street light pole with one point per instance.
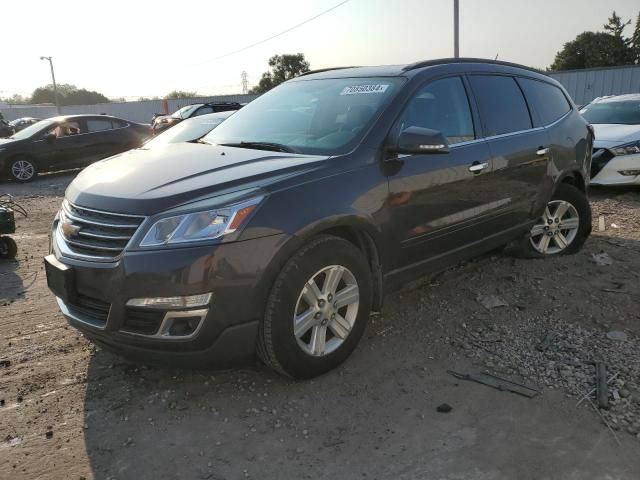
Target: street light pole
{"x": 456, "y": 29}
{"x": 53, "y": 78}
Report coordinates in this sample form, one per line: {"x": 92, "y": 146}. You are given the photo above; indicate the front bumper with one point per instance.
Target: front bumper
{"x": 609, "y": 171}
{"x": 237, "y": 274}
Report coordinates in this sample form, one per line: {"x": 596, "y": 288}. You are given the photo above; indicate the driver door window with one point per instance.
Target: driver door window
{"x": 443, "y": 106}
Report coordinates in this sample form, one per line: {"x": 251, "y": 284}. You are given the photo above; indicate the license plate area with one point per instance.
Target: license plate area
{"x": 60, "y": 278}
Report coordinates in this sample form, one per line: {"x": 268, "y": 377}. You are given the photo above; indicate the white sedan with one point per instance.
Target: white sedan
{"x": 616, "y": 150}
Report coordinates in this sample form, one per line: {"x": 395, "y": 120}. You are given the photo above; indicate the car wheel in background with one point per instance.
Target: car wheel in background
{"x": 563, "y": 227}
{"x": 22, "y": 169}
{"x": 317, "y": 310}
{"x": 8, "y": 248}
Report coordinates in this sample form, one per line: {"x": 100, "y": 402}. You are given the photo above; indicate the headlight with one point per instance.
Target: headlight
{"x": 199, "y": 226}
{"x": 627, "y": 149}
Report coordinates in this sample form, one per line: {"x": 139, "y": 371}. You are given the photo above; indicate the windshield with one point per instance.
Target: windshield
{"x": 626, "y": 113}
{"x": 187, "y": 131}
{"x": 325, "y": 117}
{"x": 184, "y": 112}
{"x": 32, "y": 129}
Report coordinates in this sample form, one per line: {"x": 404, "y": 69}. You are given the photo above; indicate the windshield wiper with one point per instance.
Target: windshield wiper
{"x": 276, "y": 147}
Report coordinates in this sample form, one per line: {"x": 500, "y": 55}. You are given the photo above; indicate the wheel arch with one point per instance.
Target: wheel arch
{"x": 358, "y": 231}
{"x": 575, "y": 178}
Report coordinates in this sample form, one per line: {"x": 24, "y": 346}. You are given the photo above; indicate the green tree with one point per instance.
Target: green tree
{"x": 283, "y": 67}
{"x": 635, "y": 42}
{"x": 591, "y": 49}
{"x": 615, "y": 25}
{"x": 180, "y": 94}
{"x": 68, "y": 95}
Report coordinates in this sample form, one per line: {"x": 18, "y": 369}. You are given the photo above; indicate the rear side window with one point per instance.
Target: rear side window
{"x": 548, "y": 101}
{"x": 441, "y": 105}
{"x": 98, "y": 125}
{"x": 502, "y": 105}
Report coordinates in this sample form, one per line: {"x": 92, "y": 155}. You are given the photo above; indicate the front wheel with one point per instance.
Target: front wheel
{"x": 317, "y": 309}
{"x": 563, "y": 227}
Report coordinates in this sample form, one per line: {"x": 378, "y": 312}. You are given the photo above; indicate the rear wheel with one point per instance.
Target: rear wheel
{"x": 563, "y": 227}
{"x": 317, "y": 309}
{"x": 23, "y": 169}
{"x": 8, "y": 248}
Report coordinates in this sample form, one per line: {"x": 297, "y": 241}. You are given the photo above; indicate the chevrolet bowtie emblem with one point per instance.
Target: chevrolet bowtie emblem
{"x": 69, "y": 229}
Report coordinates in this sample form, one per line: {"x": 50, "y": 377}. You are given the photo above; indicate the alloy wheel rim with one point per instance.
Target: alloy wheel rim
{"x": 556, "y": 229}
{"x": 22, "y": 170}
{"x": 326, "y": 310}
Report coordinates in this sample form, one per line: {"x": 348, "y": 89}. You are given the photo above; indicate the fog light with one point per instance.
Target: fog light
{"x": 171, "y": 302}
{"x": 629, "y": 173}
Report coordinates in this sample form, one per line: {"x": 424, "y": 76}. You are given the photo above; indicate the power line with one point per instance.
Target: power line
{"x": 274, "y": 36}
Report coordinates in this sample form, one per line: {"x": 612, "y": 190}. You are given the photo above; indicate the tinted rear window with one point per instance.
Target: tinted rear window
{"x": 547, "y": 101}
{"x": 502, "y": 105}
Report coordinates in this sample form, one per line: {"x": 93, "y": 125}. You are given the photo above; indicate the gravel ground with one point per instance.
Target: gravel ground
{"x": 69, "y": 410}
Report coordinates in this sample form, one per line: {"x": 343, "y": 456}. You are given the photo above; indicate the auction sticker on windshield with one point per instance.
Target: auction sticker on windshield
{"x": 362, "y": 89}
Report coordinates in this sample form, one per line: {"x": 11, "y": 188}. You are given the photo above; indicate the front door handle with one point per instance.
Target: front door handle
{"x": 477, "y": 167}
{"x": 542, "y": 151}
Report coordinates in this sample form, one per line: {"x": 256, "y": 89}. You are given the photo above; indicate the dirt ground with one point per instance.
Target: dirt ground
{"x": 71, "y": 411}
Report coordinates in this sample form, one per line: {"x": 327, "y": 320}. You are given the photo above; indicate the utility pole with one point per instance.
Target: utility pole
{"x": 53, "y": 78}
{"x": 245, "y": 83}
{"x": 456, "y": 28}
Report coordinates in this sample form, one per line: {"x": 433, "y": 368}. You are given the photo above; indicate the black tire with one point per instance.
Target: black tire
{"x": 580, "y": 202}
{"x": 31, "y": 165}
{"x": 277, "y": 344}
{"x": 8, "y": 248}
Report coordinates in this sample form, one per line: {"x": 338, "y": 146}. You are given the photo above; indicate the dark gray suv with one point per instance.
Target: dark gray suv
{"x": 282, "y": 229}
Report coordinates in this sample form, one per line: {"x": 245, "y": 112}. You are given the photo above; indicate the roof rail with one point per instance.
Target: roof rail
{"x": 320, "y": 70}
{"x": 441, "y": 61}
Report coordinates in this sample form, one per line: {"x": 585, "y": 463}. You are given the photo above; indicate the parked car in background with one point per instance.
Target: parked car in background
{"x": 283, "y": 228}
{"x": 67, "y": 142}
{"x": 162, "y": 122}
{"x": 189, "y": 130}
{"x": 22, "y": 123}
{"x": 616, "y": 151}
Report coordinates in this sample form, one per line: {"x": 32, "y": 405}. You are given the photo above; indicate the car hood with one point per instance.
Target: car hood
{"x": 145, "y": 182}
{"x": 611, "y": 135}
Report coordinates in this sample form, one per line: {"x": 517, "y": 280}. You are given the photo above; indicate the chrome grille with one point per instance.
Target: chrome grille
{"x": 96, "y": 234}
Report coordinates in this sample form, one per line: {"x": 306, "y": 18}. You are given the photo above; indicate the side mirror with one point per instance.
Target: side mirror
{"x": 418, "y": 140}
{"x": 49, "y": 137}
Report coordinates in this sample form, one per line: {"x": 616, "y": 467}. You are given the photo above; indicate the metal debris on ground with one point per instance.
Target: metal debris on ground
{"x": 491, "y": 301}
{"x": 591, "y": 392}
{"x": 602, "y": 393}
{"x": 499, "y": 383}
{"x": 601, "y": 259}
{"x": 548, "y": 339}
{"x": 601, "y": 225}
{"x": 617, "y": 335}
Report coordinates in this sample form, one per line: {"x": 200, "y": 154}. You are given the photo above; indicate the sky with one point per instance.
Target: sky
{"x": 130, "y": 48}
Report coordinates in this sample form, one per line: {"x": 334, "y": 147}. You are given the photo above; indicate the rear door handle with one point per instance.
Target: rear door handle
{"x": 477, "y": 167}
{"x": 542, "y": 151}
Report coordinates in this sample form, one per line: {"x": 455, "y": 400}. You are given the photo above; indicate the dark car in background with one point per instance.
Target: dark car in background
{"x": 281, "y": 230}
{"x": 64, "y": 142}
{"x": 22, "y": 123}
{"x": 160, "y": 123}
{"x": 189, "y": 130}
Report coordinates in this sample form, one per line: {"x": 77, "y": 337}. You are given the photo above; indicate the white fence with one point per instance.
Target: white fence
{"x": 585, "y": 85}
{"x": 135, "y": 111}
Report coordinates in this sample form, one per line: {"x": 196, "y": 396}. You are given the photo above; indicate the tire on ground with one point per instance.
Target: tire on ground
{"x": 277, "y": 344}
{"x": 8, "y": 248}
